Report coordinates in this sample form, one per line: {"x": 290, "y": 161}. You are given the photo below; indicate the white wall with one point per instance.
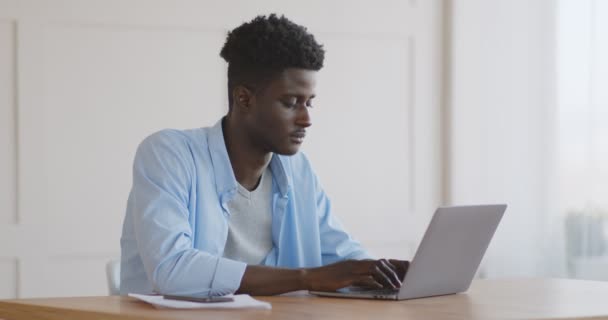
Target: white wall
{"x": 499, "y": 119}
{"x": 82, "y": 82}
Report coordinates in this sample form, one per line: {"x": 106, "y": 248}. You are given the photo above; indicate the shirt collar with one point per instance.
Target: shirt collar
{"x": 225, "y": 181}
{"x": 278, "y": 167}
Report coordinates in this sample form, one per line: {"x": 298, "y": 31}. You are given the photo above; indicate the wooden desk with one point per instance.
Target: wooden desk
{"x": 487, "y": 299}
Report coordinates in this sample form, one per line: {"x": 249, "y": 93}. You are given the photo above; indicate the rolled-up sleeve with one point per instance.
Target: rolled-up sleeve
{"x": 162, "y": 177}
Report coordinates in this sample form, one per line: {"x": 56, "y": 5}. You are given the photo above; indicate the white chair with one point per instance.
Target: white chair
{"x": 113, "y": 276}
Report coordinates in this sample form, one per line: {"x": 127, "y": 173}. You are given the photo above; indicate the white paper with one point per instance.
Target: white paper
{"x": 240, "y": 301}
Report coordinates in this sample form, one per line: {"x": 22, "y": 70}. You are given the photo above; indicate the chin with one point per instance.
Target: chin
{"x": 288, "y": 150}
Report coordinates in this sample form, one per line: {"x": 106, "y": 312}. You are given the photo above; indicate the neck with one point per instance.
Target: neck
{"x": 248, "y": 161}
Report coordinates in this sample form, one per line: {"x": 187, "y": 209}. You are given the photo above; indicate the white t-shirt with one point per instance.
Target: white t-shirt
{"x": 250, "y": 226}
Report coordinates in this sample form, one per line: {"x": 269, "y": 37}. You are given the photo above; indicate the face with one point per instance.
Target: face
{"x": 278, "y": 114}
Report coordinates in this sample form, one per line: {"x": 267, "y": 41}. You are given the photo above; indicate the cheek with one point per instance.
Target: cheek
{"x": 279, "y": 120}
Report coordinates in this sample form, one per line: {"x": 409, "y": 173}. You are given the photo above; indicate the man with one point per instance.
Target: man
{"x": 235, "y": 207}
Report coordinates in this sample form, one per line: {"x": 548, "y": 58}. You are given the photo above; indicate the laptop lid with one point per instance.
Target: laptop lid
{"x": 451, "y": 250}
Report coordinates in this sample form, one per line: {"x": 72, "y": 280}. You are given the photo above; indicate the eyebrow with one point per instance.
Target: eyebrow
{"x": 297, "y": 95}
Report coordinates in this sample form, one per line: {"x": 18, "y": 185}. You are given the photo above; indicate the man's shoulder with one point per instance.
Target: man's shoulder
{"x": 174, "y": 139}
{"x": 173, "y": 144}
{"x": 172, "y": 136}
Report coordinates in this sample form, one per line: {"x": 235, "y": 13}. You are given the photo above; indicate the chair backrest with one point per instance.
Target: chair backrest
{"x": 113, "y": 276}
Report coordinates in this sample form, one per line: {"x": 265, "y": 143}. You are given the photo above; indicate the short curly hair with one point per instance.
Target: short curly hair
{"x": 264, "y": 47}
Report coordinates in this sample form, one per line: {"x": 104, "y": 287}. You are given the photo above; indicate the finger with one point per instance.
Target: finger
{"x": 368, "y": 282}
{"x": 380, "y": 276}
{"x": 380, "y": 271}
{"x": 401, "y": 266}
{"x": 391, "y": 272}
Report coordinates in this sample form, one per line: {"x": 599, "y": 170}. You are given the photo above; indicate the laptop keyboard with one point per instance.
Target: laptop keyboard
{"x": 359, "y": 290}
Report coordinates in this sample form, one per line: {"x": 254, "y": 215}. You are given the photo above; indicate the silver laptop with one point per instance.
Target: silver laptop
{"x": 447, "y": 258}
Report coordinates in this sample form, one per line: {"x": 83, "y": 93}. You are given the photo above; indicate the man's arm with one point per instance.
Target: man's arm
{"x": 159, "y": 216}
{"x": 260, "y": 280}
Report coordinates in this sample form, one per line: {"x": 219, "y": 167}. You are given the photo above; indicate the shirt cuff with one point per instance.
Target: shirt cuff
{"x": 228, "y": 275}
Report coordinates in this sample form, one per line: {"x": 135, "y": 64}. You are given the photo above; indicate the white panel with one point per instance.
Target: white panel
{"x": 359, "y": 139}
{"x": 17, "y": 240}
{"x": 500, "y": 122}
{"x": 64, "y": 276}
{"x": 8, "y": 143}
{"x": 105, "y": 89}
{"x": 8, "y": 278}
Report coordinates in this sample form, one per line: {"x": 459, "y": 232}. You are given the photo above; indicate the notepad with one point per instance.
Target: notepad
{"x": 241, "y": 301}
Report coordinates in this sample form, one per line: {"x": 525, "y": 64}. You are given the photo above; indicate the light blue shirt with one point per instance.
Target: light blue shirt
{"x": 176, "y": 223}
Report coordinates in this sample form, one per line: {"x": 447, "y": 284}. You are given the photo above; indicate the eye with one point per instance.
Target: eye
{"x": 309, "y": 103}
{"x": 289, "y": 103}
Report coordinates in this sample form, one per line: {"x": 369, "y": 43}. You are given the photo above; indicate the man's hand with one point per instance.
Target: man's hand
{"x": 376, "y": 274}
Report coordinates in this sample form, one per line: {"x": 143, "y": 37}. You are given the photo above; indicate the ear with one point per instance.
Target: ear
{"x": 242, "y": 98}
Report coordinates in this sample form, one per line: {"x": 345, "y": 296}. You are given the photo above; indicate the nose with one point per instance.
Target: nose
{"x": 303, "y": 117}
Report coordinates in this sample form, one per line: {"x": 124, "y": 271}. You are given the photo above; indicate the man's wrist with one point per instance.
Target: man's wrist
{"x": 304, "y": 276}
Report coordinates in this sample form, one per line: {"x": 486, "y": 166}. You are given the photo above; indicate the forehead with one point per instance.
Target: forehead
{"x": 293, "y": 80}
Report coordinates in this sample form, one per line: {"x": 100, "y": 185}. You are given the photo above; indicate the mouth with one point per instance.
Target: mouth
{"x": 298, "y": 136}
